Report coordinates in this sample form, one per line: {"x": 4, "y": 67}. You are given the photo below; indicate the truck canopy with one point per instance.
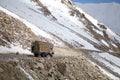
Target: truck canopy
{"x": 39, "y": 46}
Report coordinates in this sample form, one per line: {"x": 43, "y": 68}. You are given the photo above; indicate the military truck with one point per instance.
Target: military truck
{"x": 42, "y": 49}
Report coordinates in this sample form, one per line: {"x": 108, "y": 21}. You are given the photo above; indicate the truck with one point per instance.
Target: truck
{"x": 43, "y": 49}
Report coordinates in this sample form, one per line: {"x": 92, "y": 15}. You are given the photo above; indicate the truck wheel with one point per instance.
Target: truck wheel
{"x": 43, "y": 54}
{"x": 49, "y": 55}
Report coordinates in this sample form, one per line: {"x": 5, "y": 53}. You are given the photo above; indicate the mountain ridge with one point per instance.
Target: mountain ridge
{"x": 107, "y": 13}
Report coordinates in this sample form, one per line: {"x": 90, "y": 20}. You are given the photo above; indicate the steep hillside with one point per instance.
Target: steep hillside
{"x": 107, "y": 13}
{"x": 65, "y": 25}
{"x": 22, "y": 67}
{"x": 14, "y": 33}
{"x": 67, "y": 22}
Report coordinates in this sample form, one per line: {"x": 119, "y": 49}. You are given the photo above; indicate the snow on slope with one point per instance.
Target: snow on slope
{"x": 106, "y": 72}
{"x": 58, "y": 21}
{"x": 107, "y": 13}
{"x": 65, "y": 21}
{"x": 16, "y": 47}
{"x": 22, "y": 9}
{"x": 35, "y": 29}
{"x": 109, "y": 61}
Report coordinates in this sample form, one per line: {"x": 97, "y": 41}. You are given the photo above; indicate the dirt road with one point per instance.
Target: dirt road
{"x": 67, "y": 52}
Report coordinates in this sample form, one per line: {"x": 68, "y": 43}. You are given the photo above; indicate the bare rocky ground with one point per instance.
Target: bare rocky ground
{"x": 60, "y": 67}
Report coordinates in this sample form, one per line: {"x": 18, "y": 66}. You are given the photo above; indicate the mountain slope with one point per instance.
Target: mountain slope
{"x": 107, "y": 13}
{"x": 14, "y": 31}
{"x": 59, "y": 22}
{"x": 17, "y": 33}
{"x": 67, "y": 22}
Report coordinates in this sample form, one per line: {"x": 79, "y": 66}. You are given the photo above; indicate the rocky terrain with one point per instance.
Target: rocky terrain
{"x": 27, "y": 67}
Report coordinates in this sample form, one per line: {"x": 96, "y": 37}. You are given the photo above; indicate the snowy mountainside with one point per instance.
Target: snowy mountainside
{"x": 107, "y": 13}
{"x": 67, "y": 22}
{"x": 16, "y": 34}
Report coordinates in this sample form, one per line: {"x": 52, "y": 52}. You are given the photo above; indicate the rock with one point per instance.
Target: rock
{"x": 61, "y": 68}
{"x": 1, "y": 70}
{"x": 39, "y": 66}
{"x": 17, "y": 53}
{"x": 72, "y": 77}
{"x": 90, "y": 74}
{"x": 7, "y": 20}
{"x": 51, "y": 78}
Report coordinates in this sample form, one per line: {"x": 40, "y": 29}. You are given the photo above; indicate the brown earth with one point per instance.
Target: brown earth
{"x": 63, "y": 66}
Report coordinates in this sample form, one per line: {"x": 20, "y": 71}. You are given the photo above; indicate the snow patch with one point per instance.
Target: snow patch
{"x": 109, "y": 61}
{"x": 27, "y": 74}
{"x": 106, "y": 72}
{"x": 105, "y": 43}
{"x": 113, "y": 35}
{"x": 14, "y": 49}
{"x": 114, "y": 45}
{"x": 111, "y": 58}
{"x": 99, "y": 32}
